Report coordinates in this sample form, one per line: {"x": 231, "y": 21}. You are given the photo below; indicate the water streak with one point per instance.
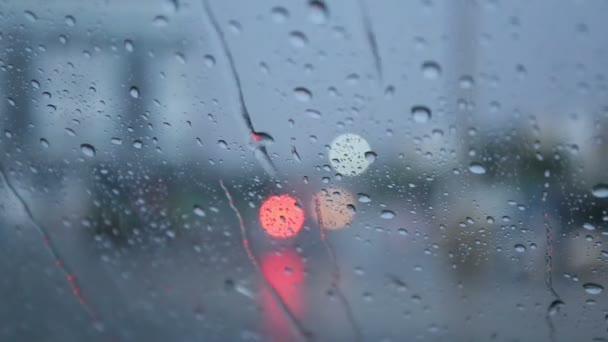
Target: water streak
{"x": 52, "y": 250}
{"x": 260, "y": 150}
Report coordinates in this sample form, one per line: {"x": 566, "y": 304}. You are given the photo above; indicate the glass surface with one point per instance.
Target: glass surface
{"x": 225, "y": 170}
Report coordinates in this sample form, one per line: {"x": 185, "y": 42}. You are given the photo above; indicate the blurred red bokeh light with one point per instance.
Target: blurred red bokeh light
{"x": 281, "y": 216}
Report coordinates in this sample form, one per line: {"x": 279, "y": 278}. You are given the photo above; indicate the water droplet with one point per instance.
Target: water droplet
{"x": 222, "y": 144}
{"x": 138, "y": 144}
{"x": 313, "y": 113}
{"x": 279, "y": 14}
{"x": 600, "y": 190}
{"x": 134, "y": 92}
{"x": 44, "y": 143}
{"x": 88, "y": 150}
{"x": 466, "y": 82}
{"x": 302, "y": 94}
{"x": 593, "y": 289}
{"x": 209, "y": 61}
{"x": 351, "y": 209}
{"x": 421, "y": 114}
{"x": 198, "y": 211}
{"x": 364, "y": 198}
{"x": 555, "y": 307}
{"x": 519, "y": 248}
{"x": 477, "y": 169}
{"x": 588, "y": 226}
{"x": 370, "y": 156}
{"x": 317, "y": 12}
{"x": 235, "y": 27}
{"x": 160, "y": 21}
{"x": 116, "y": 141}
{"x": 387, "y": 214}
{"x": 128, "y": 45}
{"x": 35, "y": 84}
{"x": 431, "y": 70}
{"x": 31, "y": 16}
{"x": 70, "y": 20}
{"x": 297, "y": 39}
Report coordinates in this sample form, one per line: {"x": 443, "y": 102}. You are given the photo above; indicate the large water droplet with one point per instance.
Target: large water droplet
{"x": 593, "y": 289}
{"x": 209, "y": 61}
{"x": 588, "y": 226}
{"x": 477, "y": 169}
{"x": 88, "y": 150}
{"x": 198, "y": 211}
{"x": 519, "y": 248}
{"x": 160, "y": 21}
{"x": 279, "y": 14}
{"x": 370, "y": 156}
{"x": 431, "y": 70}
{"x": 555, "y": 307}
{"x": 134, "y": 92}
{"x": 317, "y": 12}
{"x": 421, "y": 114}
{"x": 302, "y": 94}
{"x": 128, "y": 45}
{"x": 70, "y": 20}
{"x": 600, "y": 190}
{"x": 297, "y": 39}
{"x": 364, "y": 198}
{"x": 31, "y": 16}
{"x": 466, "y": 82}
{"x": 387, "y": 214}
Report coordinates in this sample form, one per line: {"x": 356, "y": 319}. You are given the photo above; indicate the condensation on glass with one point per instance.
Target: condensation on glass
{"x": 180, "y": 170}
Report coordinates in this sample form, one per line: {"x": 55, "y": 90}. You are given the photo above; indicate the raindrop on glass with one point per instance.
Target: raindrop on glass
{"x": 364, "y": 198}
{"x": 88, "y": 150}
{"x": 520, "y": 248}
{"x": 279, "y": 14}
{"x": 370, "y": 156}
{"x": 198, "y": 211}
{"x": 588, "y": 226}
{"x": 477, "y": 169}
{"x": 70, "y": 20}
{"x": 593, "y": 289}
{"x": 317, "y": 12}
{"x": 297, "y": 39}
{"x": 31, "y": 16}
{"x": 128, "y": 45}
{"x": 431, "y": 70}
{"x": 387, "y": 214}
{"x": 134, "y": 92}
{"x": 209, "y": 61}
{"x": 466, "y": 82}
{"x": 600, "y": 190}
{"x": 302, "y": 94}
{"x": 421, "y": 114}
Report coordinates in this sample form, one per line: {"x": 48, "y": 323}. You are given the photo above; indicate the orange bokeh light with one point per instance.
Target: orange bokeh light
{"x": 332, "y": 206}
{"x": 281, "y": 217}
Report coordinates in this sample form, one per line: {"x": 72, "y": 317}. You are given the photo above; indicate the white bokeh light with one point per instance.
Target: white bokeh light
{"x": 348, "y": 154}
